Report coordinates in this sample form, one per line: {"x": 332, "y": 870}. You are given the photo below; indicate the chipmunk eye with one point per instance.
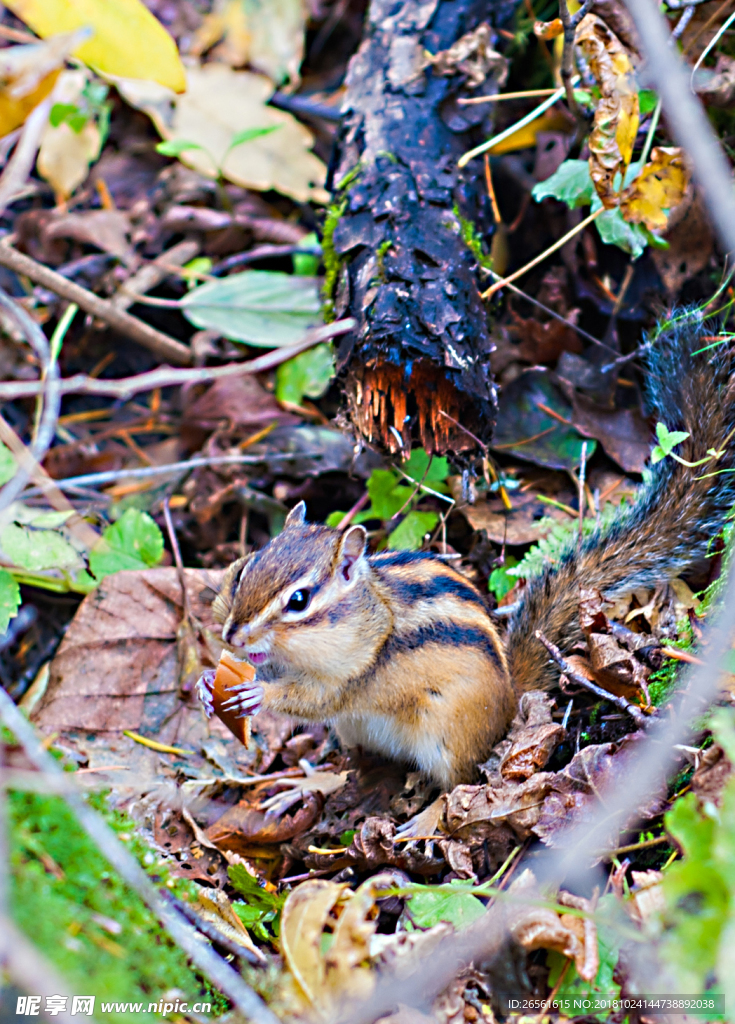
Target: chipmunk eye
{"x": 298, "y": 601}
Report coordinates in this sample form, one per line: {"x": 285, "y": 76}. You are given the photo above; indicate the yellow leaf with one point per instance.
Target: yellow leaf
{"x": 659, "y": 187}
{"x": 128, "y": 41}
{"x": 65, "y": 155}
{"x": 28, "y": 74}
{"x": 617, "y": 114}
{"x": 525, "y": 137}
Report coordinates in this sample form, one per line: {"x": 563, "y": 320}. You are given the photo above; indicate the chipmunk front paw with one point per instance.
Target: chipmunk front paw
{"x": 205, "y": 690}
{"x": 246, "y": 699}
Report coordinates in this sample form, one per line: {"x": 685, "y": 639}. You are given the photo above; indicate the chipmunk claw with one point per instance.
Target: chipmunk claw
{"x": 205, "y": 690}
{"x": 246, "y": 699}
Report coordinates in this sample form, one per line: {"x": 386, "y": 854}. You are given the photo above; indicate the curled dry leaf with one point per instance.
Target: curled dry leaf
{"x": 617, "y": 114}
{"x": 317, "y": 907}
{"x": 243, "y": 826}
{"x": 543, "y": 928}
{"x": 711, "y": 774}
{"x": 472, "y": 55}
{"x": 619, "y": 659}
{"x": 658, "y": 188}
{"x": 534, "y": 738}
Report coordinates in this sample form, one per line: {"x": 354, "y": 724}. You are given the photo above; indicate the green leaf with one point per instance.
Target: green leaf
{"x": 410, "y": 532}
{"x": 306, "y": 264}
{"x": 570, "y": 182}
{"x": 261, "y": 307}
{"x": 175, "y": 147}
{"x": 249, "y": 886}
{"x": 7, "y": 464}
{"x": 34, "y": 549}
{"x": 647, "y": 100}
{"x": 387, "y": 496}
{"x": 500, "y": 583}
{"x": 9, "y": 599}
{"x": 669, "y": 439}
{"x": 613, "y": 229}
{"x": 347, "y": 836}
{"x": 133, "y": 542}
{"x": 417, "y": 463}
{"x": 307, "y": 374}
{"x": 61, "y": 112}
{"x": 334, "y": 519}
{"x": 248, "y": 134}
{"x": 428, "y": 907}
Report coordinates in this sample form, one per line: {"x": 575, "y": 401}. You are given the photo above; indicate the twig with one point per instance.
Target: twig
{"x": 570, "y": 22}
{"x": 580, "y": 498}
{"x": 467, "y": 101}
{"x": 496, "y": 139}
{"x": 176, "y": 550}
{"x": 156, "y": 341}
{"x": 166, "y": 376}
{"x": 542, "y": 256}
{"x": 46, "y": 425}
{"x": 112, "y": 476}
{"x": 686, "y": 117}
{"x": 209, "y": 963}
{"x": 576, "y": 677}
{"x": 151, "y": 274}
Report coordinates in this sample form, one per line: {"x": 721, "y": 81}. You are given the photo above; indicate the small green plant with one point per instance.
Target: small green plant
{"x": 175, "y": 147}
{"x": 261, "y": 909}
{"x": 93, "y": 105}
{"x": 394, "y": 492}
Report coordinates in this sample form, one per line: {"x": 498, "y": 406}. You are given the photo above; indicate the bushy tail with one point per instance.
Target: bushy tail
{"x": 676, "y": 514}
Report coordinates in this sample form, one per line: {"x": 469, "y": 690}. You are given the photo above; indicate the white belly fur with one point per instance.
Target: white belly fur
{"x": 385, "y": 736}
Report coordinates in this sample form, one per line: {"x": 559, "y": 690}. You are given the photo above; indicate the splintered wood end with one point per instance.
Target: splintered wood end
{"x": 395, "y": 406}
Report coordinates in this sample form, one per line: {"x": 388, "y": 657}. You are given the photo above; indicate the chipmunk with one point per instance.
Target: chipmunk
{"x": 397, "y": 650}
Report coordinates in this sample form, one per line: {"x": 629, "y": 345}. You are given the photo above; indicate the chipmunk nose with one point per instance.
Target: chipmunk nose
{"x": 235, "y": 634}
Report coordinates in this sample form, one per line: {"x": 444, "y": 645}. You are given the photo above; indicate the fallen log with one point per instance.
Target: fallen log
{"x": 399, "y": 240}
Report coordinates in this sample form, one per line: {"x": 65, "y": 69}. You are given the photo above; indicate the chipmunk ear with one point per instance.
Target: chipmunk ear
{"x": 351, "y": 549}
{"x": 297, "y": 515}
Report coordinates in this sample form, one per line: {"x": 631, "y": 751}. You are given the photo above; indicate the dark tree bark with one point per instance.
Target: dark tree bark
{"x": 406, "y": 271}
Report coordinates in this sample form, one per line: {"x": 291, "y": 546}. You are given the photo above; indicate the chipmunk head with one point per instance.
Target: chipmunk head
{"x": 286, "y": 602}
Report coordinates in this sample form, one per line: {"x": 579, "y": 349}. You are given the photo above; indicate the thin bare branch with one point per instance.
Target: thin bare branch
{"x": 46, "y": 424}
{"x": 19, "y": 166}
{"x": 156, "y": 341}
{"x": 167, "y": 376}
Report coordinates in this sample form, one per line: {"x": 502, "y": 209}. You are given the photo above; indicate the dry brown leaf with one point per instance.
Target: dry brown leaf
{"x": 711, "y": 774}
{"x": 350, "y": 947}
{"x": 543, "y": 928}
{"x": 65, "y": 155}
{"x": 533, "y": 737}
{"x": 243, "y": 826}
{"x": 574, "y": 793}
{"x": 472, "y": 55}
{"x": 623, "y": 433}
{"x": 691, "y": 243}
{"x": 617, "y": 113}
{"x": 658, "y": 188}
{"x": 108, "y": 230}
